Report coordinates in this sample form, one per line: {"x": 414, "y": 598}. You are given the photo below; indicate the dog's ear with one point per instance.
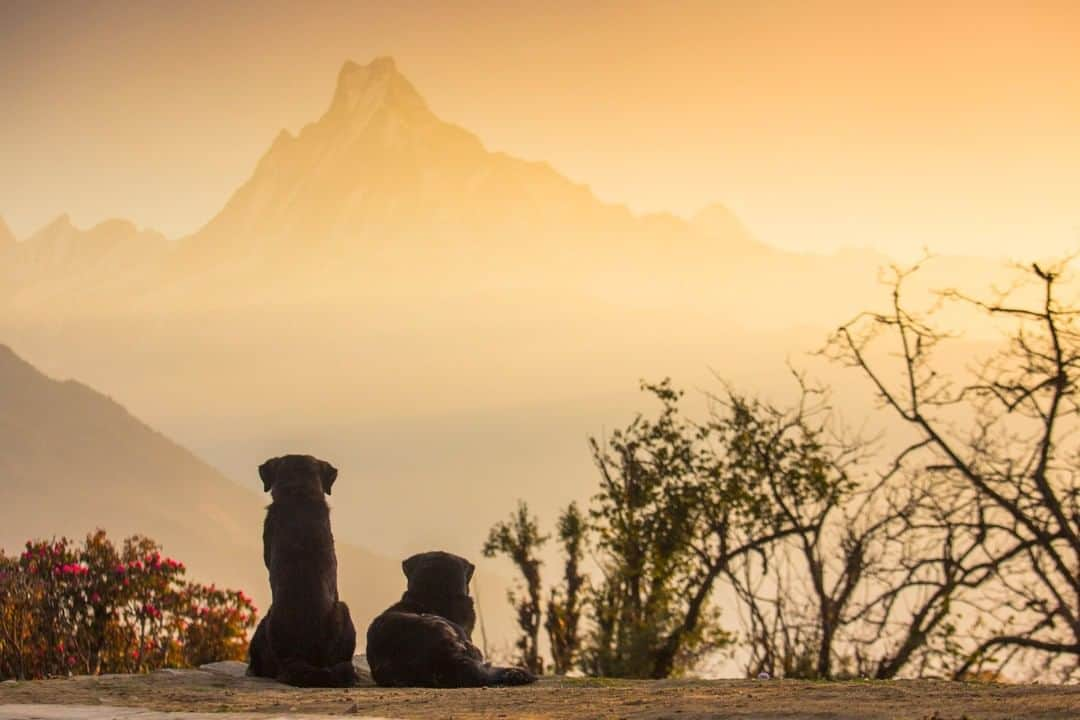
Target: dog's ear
{"x": 469, "y": 570}
{"x": 328, "y": 473}
{"x": 268, "y": 472}
{"x": 409, "y": 565}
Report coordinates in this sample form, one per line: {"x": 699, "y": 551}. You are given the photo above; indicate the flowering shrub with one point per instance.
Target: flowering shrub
{"x": 66, "y": 609}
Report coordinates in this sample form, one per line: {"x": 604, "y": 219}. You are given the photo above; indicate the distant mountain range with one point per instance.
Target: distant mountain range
{"x": 379, "y": 169}
{"x": 378, "y": 191}
{"x": 72, "y": 460}
{"x": 60, "y": 264}
{"x": 380, "y": 196}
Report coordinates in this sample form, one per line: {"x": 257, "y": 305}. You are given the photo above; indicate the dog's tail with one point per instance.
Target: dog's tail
{"x": 301, "y": 673}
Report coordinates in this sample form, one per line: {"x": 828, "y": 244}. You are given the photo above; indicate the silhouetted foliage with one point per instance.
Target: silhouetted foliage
{"x": 649, "y": 608}
{"x": 681, "y": 505}
{"x": 955, "y": 552}
{"x": 519, "y": 539}
{"x": 95, "y": 609}
{"x": 564, "y": 603}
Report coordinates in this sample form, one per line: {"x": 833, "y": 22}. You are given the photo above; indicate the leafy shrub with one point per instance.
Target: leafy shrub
{"x": 95, "y": 608}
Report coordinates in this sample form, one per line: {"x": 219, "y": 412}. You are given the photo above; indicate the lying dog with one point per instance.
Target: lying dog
{"x": 307, "y": 637}
{"x": 425, "y": 640}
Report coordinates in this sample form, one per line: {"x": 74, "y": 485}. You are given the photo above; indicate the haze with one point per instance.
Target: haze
{"x": 441, "y": 245}
{"x": 824, "y": 124}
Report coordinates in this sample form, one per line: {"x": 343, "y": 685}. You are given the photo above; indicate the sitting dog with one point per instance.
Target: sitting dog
{"x": 425, "y": 640}
{"x": 307, "y": 637}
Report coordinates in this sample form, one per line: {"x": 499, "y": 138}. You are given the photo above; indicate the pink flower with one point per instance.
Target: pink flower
{"x": 95, "y": 598}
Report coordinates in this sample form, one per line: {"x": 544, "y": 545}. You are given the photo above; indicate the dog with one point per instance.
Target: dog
{"x": 307, "y": 638}
{"x": 426, "y": 639}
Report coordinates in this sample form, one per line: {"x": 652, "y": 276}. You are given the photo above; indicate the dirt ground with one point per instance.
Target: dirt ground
{"x": 199, "y": 690}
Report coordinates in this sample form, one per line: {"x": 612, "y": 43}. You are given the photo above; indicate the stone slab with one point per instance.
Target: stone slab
{"x": 237, "y": 669}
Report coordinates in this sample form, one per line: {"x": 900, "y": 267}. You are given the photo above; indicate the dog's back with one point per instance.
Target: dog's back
{"x": 299, "y": 549}
{"x": 307, "y": 637}
{"x": 425, "y": 639}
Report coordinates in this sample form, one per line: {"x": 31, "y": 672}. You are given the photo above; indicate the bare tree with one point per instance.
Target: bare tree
{"x": 797, "y": 593}
{"x": 826, "y": 599}
{"x": 1000, "y": 443}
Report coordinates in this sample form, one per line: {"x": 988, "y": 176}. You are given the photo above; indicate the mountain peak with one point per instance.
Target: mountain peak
{"x": 366, "y": 88}
{"x": 384, "y": 65}
{"x": 60, "y": 222}
{"x": 718, "y": 221}
{"x": 60, "y": 226}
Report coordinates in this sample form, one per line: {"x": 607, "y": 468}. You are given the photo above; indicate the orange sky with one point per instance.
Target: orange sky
{"x": 823, "y": 124}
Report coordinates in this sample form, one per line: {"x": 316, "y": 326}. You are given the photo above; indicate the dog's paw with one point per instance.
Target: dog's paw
{"x": 346, "y": 675}
{"x": 514, "y": 676}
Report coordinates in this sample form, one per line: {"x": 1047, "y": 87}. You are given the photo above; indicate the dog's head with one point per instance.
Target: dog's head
{"x": 297, "y": 474}
{"x": 440, "y": 582}
{"x": 438, "y": 573}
